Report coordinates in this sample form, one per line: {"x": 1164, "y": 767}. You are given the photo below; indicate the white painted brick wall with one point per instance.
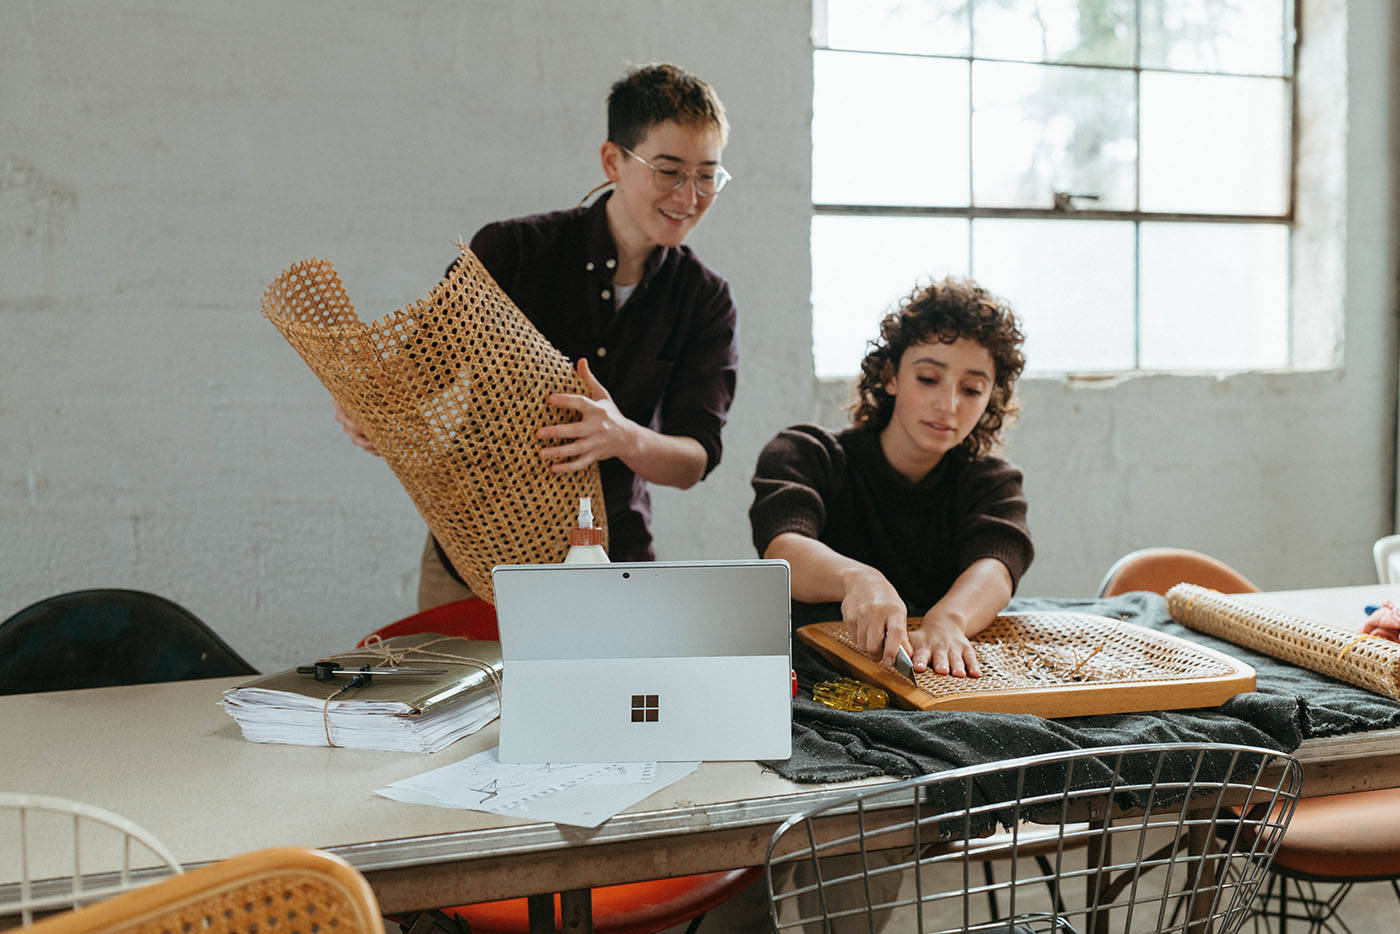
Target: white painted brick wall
{"x": 162, "y": 161}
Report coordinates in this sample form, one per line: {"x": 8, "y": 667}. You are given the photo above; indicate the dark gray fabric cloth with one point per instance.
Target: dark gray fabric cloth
{"x": 1289, "y": 705}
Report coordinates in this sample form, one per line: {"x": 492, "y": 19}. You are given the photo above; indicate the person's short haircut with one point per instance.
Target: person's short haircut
{"x": 653, "y": 94}
{"x": 945, "y": 311}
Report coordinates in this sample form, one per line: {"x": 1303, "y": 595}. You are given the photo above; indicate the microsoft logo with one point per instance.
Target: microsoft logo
{"x": 646, "y": 708}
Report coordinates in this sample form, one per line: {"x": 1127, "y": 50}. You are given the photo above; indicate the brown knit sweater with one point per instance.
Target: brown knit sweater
{"x": 840, "y": 490}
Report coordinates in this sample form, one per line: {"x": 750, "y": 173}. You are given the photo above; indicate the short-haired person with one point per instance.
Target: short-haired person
{"x": 908, "y": 512}
{"x": 611, "y": 285}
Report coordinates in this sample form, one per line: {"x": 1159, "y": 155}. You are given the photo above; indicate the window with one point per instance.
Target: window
{"x": 1120, "y": 170}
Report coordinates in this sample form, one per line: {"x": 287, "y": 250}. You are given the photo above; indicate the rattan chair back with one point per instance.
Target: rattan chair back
{"x": 1162, "y": 846}
{"x": 451, "y": 390}
{"x": 290, "y": 890}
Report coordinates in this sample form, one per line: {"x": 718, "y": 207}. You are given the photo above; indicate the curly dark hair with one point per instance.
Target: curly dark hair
{"x": 945, "y": 311}
{"x": 658, "y": 92}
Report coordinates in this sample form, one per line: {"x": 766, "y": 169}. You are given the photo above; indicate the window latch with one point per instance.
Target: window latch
{"x": 1065, "y": 200}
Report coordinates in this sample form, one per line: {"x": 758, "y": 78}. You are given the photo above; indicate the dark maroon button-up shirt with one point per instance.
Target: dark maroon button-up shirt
{"x": 668, "y": 355}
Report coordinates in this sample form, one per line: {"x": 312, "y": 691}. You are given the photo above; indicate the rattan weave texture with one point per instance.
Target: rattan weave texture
{"x": 285, "y": 890}
{"x": 297, "y": 903}
{"x": 1043, "y": 663}
{"x": 1369, "y": 662}
{"x": 451, "y": 389}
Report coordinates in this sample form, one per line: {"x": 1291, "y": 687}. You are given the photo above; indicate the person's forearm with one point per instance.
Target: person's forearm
{"x": 978, "y": 594}
{"x": 819, "y": 573}
{"x": 871, "y": 608}
{"x": 668, "y": 460}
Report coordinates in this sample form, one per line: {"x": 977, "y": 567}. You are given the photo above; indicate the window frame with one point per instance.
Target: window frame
{"x": 1068, "y": 210}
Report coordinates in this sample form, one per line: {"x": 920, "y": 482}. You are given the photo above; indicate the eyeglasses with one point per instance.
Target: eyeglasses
{"x": 708, "y": 181}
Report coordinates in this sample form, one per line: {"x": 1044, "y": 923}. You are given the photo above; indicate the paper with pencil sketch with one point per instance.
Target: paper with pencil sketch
{"x": 580, "y": 794}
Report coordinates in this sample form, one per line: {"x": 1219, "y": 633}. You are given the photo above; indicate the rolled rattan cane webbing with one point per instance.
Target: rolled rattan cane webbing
{"x": 451, "y": 390}
{"x": 1057, "y": 664}
{"x": 1365, "y": 661}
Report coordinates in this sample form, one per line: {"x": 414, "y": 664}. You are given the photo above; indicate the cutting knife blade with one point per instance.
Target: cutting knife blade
{"x": 903, "y": 663}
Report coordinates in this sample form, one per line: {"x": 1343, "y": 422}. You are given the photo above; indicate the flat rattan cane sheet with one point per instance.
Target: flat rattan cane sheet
{"x": 451, "y": 390}
{"x": 1056, "y": 664}
{"x": 1366, "y": 661}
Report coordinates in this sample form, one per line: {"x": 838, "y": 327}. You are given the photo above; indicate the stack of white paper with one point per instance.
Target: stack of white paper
{"x": 279, "y": 717}
{"x": 401, "y": 713}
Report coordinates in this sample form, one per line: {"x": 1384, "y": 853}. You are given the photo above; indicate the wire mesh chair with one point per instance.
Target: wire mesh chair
{"x": 67, "y": 854}
{"x": 1175, "y": 837}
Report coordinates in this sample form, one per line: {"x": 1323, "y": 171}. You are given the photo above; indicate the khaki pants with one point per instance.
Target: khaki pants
{"x": 435, "y": 585}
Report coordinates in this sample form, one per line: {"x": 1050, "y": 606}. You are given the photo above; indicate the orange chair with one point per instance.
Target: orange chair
{"x": 633, "y": 908}
{"x": 1338, "y": 839}
{"x": 1158, "y": 569}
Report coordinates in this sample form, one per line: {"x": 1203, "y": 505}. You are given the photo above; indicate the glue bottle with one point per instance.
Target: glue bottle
{"x": 585, "y": 541}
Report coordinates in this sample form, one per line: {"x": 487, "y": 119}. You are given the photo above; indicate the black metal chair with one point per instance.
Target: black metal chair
{"x": 106, "y": 637}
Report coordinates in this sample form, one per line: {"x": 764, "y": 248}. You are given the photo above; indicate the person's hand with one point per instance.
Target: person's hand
{"x": 1384, "y": 621}
{"x": 875, "y": 616}
{"x": 600, "y": 433}
{"x": 941, "y": 644}
{"x": 353, "y": 430}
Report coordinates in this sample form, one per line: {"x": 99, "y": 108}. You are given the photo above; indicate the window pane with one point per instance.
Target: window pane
{"x": 872, "y": 145}
{"x": 929, "y": 27}
{"x": 861, "y": 267}
{"x": 1098, "y": 33}
{"x": 1214, "y": 296}
{"x": 1245, "y": 36}
{"x": 1214, "y": 144}
{"x": 1040, "y": 129}
{"x": 1071, "y": 282}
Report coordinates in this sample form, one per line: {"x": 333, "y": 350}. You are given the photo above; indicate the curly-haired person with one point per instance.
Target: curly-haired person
{"x": 908, "y": 512}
